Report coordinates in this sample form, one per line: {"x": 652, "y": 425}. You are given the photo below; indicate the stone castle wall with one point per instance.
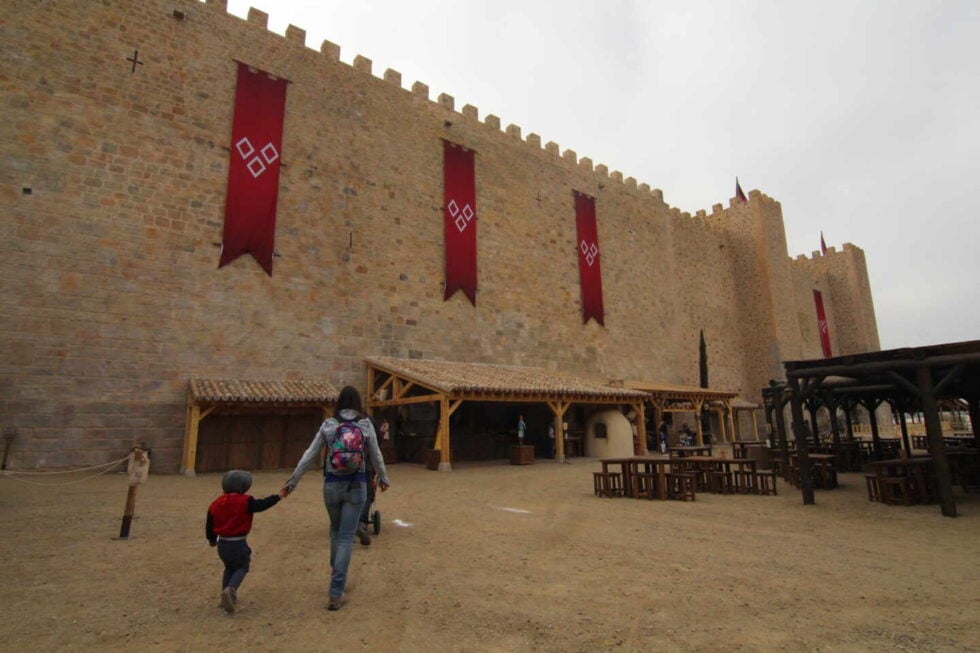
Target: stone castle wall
{"x": 113, "y": 202}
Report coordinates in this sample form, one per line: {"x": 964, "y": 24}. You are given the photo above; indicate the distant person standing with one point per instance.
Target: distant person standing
{"x": 687, "y": 435}
{"x": 521, "y": 429}
{"x": 347, "y": 436}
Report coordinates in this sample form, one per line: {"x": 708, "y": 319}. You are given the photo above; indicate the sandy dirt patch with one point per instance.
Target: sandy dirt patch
{"x": 496, "y": 558}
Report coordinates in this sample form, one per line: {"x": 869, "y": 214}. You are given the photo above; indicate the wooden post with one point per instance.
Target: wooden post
{"x": 442, "y": 438}
{"x": 641, "y": 426}
{"x": 872, "y": 408}
{"x": 190, "y": 438}
{"x": 128, "y": 513}
{"x": 731, "y": 420}
{"x": 812, "y": 409}
{"x": 799, "y": 429}
{"x": 558, "y": 409}
{"x": 137, "y": 470}
{"x": 834, "y": 422}
{"x": 698, "y": 403}
{"x": 755, "y": 425}
{"x": 937, "y": 447}
{"x": 905, "y": 430}
{"x": 781, "y": 435}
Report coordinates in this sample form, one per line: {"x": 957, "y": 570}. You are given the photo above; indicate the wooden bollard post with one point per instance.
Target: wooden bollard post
{"x": 138, "y": 468}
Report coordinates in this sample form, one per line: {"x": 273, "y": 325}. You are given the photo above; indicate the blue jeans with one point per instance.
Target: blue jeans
{"x": 344, "y": 501}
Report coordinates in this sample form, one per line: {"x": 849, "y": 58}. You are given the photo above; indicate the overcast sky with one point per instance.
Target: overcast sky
{"x": 862, "y": 118}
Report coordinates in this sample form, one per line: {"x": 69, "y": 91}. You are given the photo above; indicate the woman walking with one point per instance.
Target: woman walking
{"x": 347, "y": 436}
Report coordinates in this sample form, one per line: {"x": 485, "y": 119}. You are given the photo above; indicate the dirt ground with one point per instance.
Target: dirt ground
{"x": 491, "y": 557}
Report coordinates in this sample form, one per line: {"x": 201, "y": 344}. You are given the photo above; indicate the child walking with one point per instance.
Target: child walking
{"x": 229, "y": 522}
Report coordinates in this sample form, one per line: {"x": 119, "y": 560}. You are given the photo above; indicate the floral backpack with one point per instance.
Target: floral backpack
{"x": 346, "y": 453}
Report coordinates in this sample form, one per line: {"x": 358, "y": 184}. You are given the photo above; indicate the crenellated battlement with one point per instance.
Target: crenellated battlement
{"x": 363, "y": 178}
{"x": 848, "y": 255}
{"x": 331, "y": 53}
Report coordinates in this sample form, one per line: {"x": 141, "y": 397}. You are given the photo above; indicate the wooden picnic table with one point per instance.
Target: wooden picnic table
{"x": 684, "y": 452}
{"x": 739, "y": 447}
{"x": 823, "y": 463}
{"x": 916, "y": 469}
{"x": 711, "y": 463}
{"x": 629, "y": 467}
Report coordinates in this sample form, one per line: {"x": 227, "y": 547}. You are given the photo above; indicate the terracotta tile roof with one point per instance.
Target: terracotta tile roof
{"x": 458, "y": 378}
{"x": 262, "y": 392}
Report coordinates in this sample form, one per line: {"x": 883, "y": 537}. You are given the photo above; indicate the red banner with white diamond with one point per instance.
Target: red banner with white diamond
{"x": 590, "y": 274}
{"x": 822, "y": 324}
{"x": 459, "y": 220}
{"x": 253, "y": 170}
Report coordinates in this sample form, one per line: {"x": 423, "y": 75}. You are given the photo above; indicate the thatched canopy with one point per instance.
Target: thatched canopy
{"x": 206, "y": 396}
{"x": 669, "y": 398}
{"x": 399, "y": 381}
{"x": 280, "y": 393}
{"x": 484, "y": 382}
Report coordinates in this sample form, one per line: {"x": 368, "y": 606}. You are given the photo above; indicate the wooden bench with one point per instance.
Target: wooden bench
{"x": 766, "y": 481}
{"x": 893, "y": 488}
{"x": 874, "y": 493}
{"x": 607, "y": 484}
{"x": 680, "y": 486}
{"x": 645, "y": 485}
{"x": 721, "y": 481}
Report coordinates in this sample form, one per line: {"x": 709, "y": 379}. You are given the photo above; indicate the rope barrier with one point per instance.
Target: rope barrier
{"x": 13, "y": 475}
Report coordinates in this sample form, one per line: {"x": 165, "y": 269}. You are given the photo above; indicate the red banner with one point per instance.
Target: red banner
{"x": 590, "y": 274}
{"x": 459, "y": 220}
{"x": 822, "y": 324}
{"x": 253, "y": 171}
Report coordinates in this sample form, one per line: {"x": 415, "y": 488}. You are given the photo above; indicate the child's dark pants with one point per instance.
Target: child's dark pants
{"x": 236, "y": 555}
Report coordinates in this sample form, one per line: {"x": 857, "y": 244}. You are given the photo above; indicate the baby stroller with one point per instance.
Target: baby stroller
{"x": 370, "y": 517}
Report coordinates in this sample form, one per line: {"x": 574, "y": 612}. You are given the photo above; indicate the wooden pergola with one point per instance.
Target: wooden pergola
{"x": 668, "y": 398}
{"x": 918, "y": 378}
{"x": 743, "y": 406}
{"x": 399, "y": 382}
{"x": 207, "y": 396}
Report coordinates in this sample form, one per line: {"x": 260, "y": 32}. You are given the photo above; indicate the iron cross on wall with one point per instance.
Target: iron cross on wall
{"x": 136, "y": 60}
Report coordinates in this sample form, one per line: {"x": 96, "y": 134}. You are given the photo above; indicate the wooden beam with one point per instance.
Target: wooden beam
{"x": 855, "y": 370}
{"x": 420, "y": 399}
{"x": 387, "y": 384}
{"x": 404, "y": 386}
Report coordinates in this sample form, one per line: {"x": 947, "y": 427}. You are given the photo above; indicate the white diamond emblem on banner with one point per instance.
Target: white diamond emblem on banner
{"x": 461, "y": 217}
{"x": 589, "y": 251}
{"x": 255, "y": 164}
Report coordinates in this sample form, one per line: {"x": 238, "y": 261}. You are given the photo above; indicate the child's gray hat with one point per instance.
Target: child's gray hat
{"x": 236, "y": 480}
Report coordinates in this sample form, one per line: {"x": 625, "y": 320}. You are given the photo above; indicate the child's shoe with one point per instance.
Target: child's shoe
{"x": 228, "y": 599}
{"x": 337, "y": 603}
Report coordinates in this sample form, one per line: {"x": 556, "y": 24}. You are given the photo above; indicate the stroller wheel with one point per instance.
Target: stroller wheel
{"x": 376, "y": 519}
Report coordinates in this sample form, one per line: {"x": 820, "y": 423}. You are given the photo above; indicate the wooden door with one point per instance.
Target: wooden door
{"x": 254, "y": 442}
